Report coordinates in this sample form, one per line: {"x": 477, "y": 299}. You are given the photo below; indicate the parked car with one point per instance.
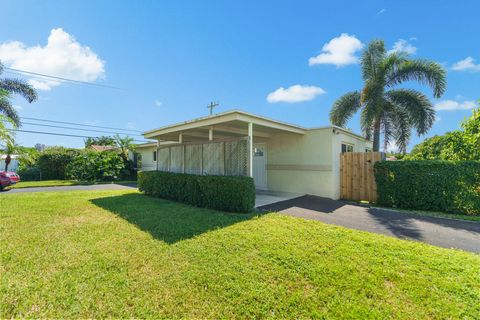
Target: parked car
{"x": 8, "y": 178}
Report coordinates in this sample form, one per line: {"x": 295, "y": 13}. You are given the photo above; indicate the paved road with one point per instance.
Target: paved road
{"x": 109, "y": 186}
{"x": 441, "y": 232}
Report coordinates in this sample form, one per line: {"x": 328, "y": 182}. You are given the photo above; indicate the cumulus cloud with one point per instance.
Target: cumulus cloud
{"x": 450, "y": 105}
{"x": 62, "y": 56}
{"x": 403, "y": 46}
{"x": 158, "y": 103}
{"x": 467, "y": 64}
{"x": 295, "y": 93}
{"x": 131, "y": 125}
{"x": 379, "y": 12}
{"x": 339, "y": 51}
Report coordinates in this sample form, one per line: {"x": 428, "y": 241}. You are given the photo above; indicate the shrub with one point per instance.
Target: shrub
{"x": 450, "y": 186}
{"x": 53, "y": 162}
{"x": 95, "y": 166}
{"x": 29, "y": 173}
{"x": 226, "y": 193}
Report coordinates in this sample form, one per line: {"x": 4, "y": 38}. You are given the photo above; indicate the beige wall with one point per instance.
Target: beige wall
{"x": 301, "y": 163}
{"x": 308, "y": 164}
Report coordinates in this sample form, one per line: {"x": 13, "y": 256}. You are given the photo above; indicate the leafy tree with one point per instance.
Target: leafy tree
{"x": 100, "y": 141}
{"x": 10, "y": 86}
{"x": 393, "y": 112}
{"x": 456, "y": 145}
{"x": 124, "y": 144}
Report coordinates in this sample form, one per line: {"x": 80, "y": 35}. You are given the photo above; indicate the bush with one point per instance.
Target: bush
{"x": 450, "y": 186}
{"x": 95, "y": 166}
{"x": 29, "y": 173}
{"x": 53, "y": 162}
{"x": 226, "y": 193}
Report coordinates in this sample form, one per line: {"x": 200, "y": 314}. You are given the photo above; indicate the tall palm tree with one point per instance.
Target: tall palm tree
{"x": 393, "y": 112}
{"x": 10, "y": 86}
{"x": 124, "y": 145}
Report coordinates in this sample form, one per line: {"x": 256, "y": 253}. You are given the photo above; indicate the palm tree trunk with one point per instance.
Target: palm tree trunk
{"x": 7, "y": 162}
{"x": 376, "y": 136}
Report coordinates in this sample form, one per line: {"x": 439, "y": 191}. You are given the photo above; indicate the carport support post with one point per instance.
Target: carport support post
{"x": 250, "y": 149}
{"x": 210, "y": 134}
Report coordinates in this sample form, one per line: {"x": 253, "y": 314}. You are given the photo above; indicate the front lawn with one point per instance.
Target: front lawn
{"x": 121, "y": 254}
{"x": 59, "y": 183}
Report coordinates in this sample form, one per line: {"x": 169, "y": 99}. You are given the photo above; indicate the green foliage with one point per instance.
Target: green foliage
{"x": 14, "y": 86}
{"x": 450, "y": 186}
{"x": 100, "y": 141}
{"x": 393, "y": 112}
{"x": 456, "y": 145}
{"x": 53, "y": 161}
{"x": 226, "y": 193}
{"x": 95, "y": 166}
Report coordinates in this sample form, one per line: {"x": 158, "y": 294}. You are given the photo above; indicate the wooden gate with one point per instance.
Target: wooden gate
{"x": 357, "y": 181}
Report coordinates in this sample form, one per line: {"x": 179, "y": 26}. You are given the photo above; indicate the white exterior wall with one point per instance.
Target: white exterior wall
{"x": 147, "y": 158}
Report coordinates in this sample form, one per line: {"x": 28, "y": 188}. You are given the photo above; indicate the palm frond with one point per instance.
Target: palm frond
{"x": 416, "y": 105}
{"x": 20, "y": 87}
{"x": 401, "y": 128}
{"x": 367, "y": 118}
{"x": 344, "y": 108}
{"x": 372, "y": 55}
{"x": 7, "y": 109}
{"x": 423, "y": 71}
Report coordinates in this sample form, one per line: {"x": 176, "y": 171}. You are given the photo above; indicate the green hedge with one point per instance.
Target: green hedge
{"x": 95, "y": 166}
{"x": 450, "y": 186}
{"x": 226, "y": 193}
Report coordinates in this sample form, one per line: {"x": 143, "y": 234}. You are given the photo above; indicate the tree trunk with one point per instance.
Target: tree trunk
{"x": 376, "y": 136}
{"x": 7, "y": 162}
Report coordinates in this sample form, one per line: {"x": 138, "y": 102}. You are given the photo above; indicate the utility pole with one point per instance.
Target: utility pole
{"x": 211, "y": 106}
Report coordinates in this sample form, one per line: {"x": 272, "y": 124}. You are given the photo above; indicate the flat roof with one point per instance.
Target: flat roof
{"x": 236, "y": 116}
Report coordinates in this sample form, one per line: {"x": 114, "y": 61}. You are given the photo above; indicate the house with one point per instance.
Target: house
{"x": 100, "y": 148}
{"x": 279, "y": 156}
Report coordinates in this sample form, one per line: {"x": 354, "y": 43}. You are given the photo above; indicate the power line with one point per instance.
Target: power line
{"x": 42, "y": 75}
{"x": 79, "y": 124}
{"x": 80, "y": 129}
{"x": 63, "y": 134}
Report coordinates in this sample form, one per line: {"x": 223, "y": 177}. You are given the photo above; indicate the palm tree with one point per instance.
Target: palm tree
{"x": 124, "y": 144}
{"x": 14, "y": 86}
{"x": 394, "y": 112}
{"x": 10, "y": 149}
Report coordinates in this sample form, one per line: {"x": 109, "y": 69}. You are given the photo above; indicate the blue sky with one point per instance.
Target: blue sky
{"x": 172, "y": 58}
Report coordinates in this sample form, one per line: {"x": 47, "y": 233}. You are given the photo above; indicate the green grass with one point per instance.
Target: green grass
{"x": 58, "y": 183}
{"x": 457, "y": 216}
{"x": 121, "y": 254}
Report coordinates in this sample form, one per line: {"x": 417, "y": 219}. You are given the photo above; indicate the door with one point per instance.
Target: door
{"x": 260, "y": 165}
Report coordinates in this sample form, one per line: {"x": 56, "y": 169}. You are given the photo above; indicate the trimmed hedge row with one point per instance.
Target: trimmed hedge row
{"x": 226, "y": 193}
{"x": 450, "y": 186}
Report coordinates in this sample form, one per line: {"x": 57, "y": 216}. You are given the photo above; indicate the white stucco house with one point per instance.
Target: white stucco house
{"x": 279, "y": 156}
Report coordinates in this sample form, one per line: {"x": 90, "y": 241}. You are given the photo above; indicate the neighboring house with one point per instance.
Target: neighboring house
{"x": 13, "y": 166}
{"x": 279, "y": 156}
{"x": 101, "y": 148}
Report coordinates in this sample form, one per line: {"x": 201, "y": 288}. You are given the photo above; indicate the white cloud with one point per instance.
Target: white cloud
{"x": 403, "y": 46}
{"x": 437, "y": 118}
{"x": 296, "y": 93}
{"x": 18, "y": 108}
{"x": 62, "y": 56}
{"x": 467, "y": 64}
{"x": 131, "y": 125}
{"x": 381, "y": 11}
{"x": 158, "y": 103}
{"x": 450, "y": 105}
{"x": 339, "y": 51}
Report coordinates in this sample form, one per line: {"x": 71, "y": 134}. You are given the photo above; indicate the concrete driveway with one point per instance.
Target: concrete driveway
{"x": 107, "y": 186}
{"x": 447, "y": 233}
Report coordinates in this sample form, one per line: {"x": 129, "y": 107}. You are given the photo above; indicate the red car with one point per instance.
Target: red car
{"x": 8, "y": 178}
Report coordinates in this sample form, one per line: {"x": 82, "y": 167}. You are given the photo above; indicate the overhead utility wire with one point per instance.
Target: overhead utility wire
{"x": 63, "y": 134}
{"x": 79, "y": 124}
{"x": 80, "y": 129}
{"x": 42, "y": 75}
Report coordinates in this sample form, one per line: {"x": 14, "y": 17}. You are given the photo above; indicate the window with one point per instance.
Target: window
{"x": 257, "y": 152}
{"x": 154, "y": 155}
{"x": 347, "y": 147}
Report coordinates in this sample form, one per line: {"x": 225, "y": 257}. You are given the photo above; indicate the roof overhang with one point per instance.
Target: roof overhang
{"x": 224, "y": 125}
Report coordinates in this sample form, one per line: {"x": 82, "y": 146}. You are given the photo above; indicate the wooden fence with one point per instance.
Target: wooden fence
{"x": 357, "y": 181}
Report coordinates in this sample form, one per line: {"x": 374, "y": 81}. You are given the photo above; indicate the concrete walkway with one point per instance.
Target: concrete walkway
{"x": 107, "y": 186}
{"x": 447, "y": 233}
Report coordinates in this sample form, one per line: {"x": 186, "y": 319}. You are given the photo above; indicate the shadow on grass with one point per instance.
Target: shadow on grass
{"x": 165, "y": 220}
